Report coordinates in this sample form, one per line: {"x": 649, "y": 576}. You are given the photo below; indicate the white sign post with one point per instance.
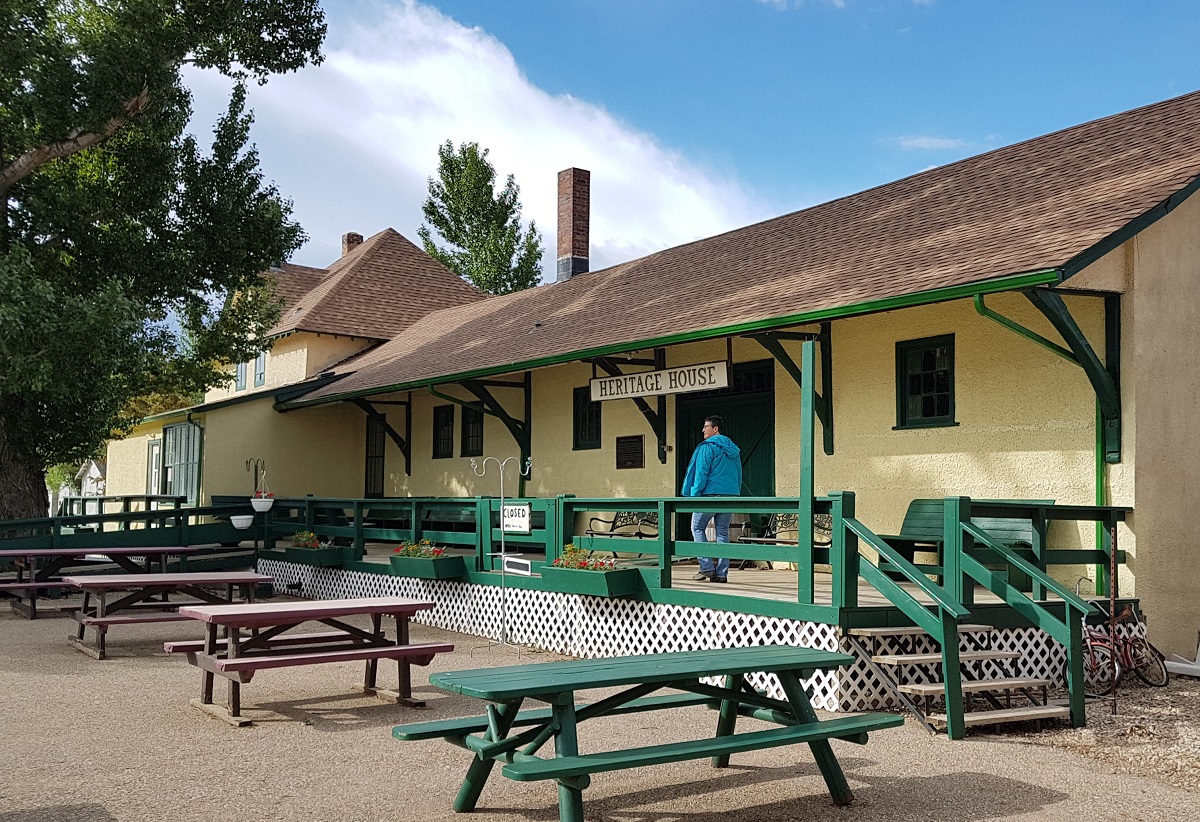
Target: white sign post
{"x": 504, "y": 556}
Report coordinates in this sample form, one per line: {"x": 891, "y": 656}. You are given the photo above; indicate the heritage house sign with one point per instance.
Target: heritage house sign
{"x": 680, "y": 380}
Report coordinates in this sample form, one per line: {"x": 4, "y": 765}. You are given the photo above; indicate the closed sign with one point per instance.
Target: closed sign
{"x": 514, "y": 519}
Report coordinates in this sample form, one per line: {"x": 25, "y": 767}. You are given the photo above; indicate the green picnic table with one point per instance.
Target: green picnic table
{"x": 493, "y": 738}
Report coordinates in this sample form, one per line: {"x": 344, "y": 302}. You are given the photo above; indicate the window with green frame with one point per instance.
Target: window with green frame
{"x": 586, "y": 428}
{"x": 925, "y": 382}
{"x": 472, "y": 432}
{"x": 443, "y": 431}
{"x": 260, "y": 368}
{"x": 239, "y": 377}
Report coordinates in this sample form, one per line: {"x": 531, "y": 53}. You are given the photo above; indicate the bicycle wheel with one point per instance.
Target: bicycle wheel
{"x": 1098, "y": 670}
{"x": 1148, "y": 663}
{"x": 822, "y": 529}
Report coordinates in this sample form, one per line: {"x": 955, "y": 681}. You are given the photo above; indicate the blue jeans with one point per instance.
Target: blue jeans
{"x": 700, "y": 522}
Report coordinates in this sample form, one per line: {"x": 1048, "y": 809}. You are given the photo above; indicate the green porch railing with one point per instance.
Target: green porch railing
{"x": 471, "y": 522}
{"x": 940, "y": 620}
{"x": 134, "y": 529}
{"x": 79, "y": 505}
{"x": 967, "y": 547}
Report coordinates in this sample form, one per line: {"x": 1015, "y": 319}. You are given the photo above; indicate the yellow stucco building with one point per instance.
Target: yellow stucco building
{"x": 1017, "y": 325}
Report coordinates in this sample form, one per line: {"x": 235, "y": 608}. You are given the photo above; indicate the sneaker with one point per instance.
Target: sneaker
{"x": 718, "y": 579}
{"x": 704, "y": 576}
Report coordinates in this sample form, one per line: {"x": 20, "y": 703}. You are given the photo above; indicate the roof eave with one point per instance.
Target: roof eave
{"x": 1011, "y": 282}
{"x": 1134, "y": 227}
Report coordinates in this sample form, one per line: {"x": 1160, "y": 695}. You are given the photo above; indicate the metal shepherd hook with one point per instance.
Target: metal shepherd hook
{"x": 479, "y": 471}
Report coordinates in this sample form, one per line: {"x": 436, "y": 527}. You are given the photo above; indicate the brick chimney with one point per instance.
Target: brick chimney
{"x": 350, "y": 241}
{"x": 574, "y": 204}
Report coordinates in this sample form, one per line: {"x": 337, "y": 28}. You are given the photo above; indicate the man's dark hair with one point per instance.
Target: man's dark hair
{"x": 715, "y": 421}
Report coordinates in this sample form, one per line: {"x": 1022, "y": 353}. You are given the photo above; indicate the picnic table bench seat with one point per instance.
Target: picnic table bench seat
{"x": 13, "y": 585}
{"x": 849, "y": 728}
{"x": 242, "y": 668}
{"x": 102, "y": 623}
{"x": 451, "y": 728}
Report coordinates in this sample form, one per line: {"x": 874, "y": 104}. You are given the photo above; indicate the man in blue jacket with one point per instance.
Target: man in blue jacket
{"x": 715, "y": 471}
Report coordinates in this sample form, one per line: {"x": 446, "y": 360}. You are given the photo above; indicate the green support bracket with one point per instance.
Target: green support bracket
{"x": 823, "y": 401}
{"x": 401, "y": 442}
{"x": 657, "y": 419}
{"x": 488, "y": 404}
{"x": 1104, "y": 382}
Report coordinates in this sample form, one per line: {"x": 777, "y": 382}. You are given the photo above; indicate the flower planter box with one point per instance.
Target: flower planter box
{"x": 620, "y": 583}
{"x": 428, "y": 567}
{"x": 262, "y": 503}
{"x": 330, "y": 557}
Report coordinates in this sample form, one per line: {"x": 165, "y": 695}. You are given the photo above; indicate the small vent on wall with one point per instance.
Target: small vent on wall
{"x": 631, "y": 452}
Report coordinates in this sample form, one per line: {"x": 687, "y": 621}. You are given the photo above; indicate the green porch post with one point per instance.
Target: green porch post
{"x": 666, "y": 541}
{"x": 844, "y": 552}
{"x": 957, "y": 510}
{"x": 805, "y": 583}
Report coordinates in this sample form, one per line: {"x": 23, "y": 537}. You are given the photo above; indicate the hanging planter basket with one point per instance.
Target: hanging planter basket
{"x": 261, "y": 504}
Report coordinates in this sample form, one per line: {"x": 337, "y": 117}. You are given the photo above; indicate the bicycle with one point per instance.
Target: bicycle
{"x": 1133, "y": 652}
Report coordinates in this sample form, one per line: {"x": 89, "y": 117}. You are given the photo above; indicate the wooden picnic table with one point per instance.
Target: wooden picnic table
{"x": 39, "y": 568}
{"x": 491, "y": 739}
{"x": 237, "y": 655}
{"x": 140, "y": 602}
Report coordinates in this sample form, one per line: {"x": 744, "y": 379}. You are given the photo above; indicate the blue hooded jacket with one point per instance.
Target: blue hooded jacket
{"x": 715, "y": 469}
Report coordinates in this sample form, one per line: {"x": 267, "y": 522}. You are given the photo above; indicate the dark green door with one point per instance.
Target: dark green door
{"x": 748, "y": 410}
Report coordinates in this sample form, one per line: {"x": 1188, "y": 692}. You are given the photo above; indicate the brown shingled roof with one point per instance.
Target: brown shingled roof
{"x": 375, "y": 291}
{"x": 1032, "y": 206}
{"x": 294, "y": 281}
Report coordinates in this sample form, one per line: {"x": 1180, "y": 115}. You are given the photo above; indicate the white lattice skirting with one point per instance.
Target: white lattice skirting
{"x": 584, "y": 626}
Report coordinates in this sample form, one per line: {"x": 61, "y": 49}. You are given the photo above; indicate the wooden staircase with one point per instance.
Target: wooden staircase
{"x": 988, "y": 686}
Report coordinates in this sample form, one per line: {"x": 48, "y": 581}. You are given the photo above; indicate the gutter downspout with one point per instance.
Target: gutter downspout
{"x": 1098, "y": 456}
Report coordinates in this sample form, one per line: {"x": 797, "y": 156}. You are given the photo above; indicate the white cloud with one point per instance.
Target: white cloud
{"x": 354, "y": 140}
{"x": 930, "y": 143}
{"x": 783, "y": 5}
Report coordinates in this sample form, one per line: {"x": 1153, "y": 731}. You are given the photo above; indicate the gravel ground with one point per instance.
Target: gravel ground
{"x": 1154, "y": 733}
{"x": 90, "y": 741}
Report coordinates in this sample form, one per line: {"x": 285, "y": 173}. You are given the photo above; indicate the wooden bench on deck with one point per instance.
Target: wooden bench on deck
{"x": 623, "y": 525}
{"x": 923, "y": 530}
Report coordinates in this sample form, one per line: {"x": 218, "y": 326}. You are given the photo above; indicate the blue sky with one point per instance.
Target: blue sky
{"x": 694, "y": 116}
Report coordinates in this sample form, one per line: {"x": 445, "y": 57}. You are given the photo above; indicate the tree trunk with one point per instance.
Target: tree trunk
{"x": 22, "y": 480}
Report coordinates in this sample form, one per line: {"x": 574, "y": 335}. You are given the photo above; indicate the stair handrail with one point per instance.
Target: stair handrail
{"x": 908, "y": 604}
{"x": 1067, "y": 631}
{"x": 942, "y": 626}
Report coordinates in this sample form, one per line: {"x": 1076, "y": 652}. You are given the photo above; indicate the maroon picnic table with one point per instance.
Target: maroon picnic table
{"x": 39, "y": 568}
{"x": 140, "y": 601}
{"x": 255, "y": 638}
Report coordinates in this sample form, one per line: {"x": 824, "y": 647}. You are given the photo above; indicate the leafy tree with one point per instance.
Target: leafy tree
{"x": 129, "y": 257}
{"x": 482, "y": 229}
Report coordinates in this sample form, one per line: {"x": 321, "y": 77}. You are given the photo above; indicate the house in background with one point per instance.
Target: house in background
{"x": 1016, "y": 325}
{"x": 372, "y": 292}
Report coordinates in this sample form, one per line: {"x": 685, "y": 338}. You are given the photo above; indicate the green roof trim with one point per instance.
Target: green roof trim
{"x": 1012, "y": 282}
